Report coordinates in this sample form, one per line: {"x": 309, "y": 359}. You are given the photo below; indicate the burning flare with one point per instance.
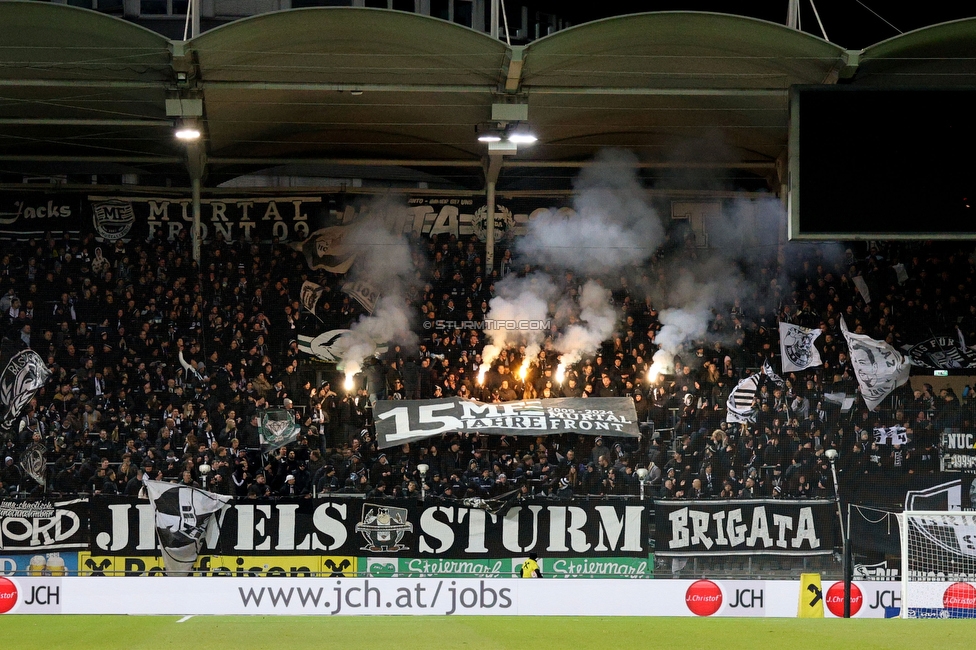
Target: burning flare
{"x": 524, "y": 370}
{"x": 350, "y": 381}
{"x": 560, "y": 373}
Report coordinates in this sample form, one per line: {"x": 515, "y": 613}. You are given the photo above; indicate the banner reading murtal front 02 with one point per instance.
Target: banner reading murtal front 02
{"x": 400, "y": 421}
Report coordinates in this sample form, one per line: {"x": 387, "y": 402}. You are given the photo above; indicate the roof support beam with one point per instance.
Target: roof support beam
{"x": 57, "y": 121}
{"x": 513, "y": 76}
{"x": 83, "y": 83}
{"x": 777, "y": 93}
{"x": 337, "y": 87}
{"x": 365, "y": 162}
{"x": 135, "y": 160}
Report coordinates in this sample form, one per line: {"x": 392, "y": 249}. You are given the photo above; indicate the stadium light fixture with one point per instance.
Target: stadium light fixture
{"x": 423, "y": 468}
{"x": 522, "y": 137}
{"x": 204, "y": 471}
{"x": 642, "y": 477}
{"x": 831, "y": 455}
{"x": 187, "y": 132}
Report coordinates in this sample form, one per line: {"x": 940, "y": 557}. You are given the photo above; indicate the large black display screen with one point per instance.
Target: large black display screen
{"x": 870, "y": 163}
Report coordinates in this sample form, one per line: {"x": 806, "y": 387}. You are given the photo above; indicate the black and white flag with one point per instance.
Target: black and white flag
{"x": 879, "y": 368}
{"x": 277, "y": 428}
{"x": 862, "y": 288}
{"x": 891, "y": 435}
{"x": 326, "y": 249}
{"x": 797, "y": 347}
{"x": 34, "y": 464}
{"x": 24, "y": 375}
{"x": 740, "y": 406}
{"x": 311, "y": 293}
{"x": 769, "y": 372}
{"x": 184, "y": 516}
{"x": 364, "y": 293}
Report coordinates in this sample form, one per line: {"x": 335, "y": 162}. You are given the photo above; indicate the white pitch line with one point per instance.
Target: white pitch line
{"x": 185, "y": 619}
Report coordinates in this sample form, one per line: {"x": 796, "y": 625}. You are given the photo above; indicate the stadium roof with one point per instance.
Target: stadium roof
{"x": 80, "y": 90}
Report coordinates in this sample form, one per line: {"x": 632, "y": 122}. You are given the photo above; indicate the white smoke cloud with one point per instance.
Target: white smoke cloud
{"x": 596, "y": 322}
{"x": 614, "y": 224}
{"x": 519, "y": 299}
{"x": 384, "y": 260}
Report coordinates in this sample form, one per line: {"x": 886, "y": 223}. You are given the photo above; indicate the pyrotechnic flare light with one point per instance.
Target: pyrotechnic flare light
{"x": 481, "y": 374}
{"x": 524, "y": 370}
{"x": 654, "y": 372}
{"x": 560, "y": 373}
{"x": 350, "y": 382}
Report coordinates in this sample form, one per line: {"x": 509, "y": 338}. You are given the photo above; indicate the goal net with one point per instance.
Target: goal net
{"x": 938, "y": 564}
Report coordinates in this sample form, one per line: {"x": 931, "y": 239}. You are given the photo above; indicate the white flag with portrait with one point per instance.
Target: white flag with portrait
{"x": 797, "y": 349}
{"x": 879, "y": 368}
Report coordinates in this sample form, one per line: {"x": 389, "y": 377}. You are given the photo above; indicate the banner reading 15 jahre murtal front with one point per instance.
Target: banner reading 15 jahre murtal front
{"x": 400, "y": 421}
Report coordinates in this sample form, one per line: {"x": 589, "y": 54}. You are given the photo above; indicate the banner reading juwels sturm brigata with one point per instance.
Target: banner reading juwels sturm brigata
{"x": 748, "y": 527}
{"x": 344, "y": 526}
{"x": 400, "y": 421}
{"x": 24, "y": 375}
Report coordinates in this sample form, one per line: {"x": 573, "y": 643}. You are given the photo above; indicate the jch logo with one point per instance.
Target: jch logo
{"x": 747, "y": 598}
{"x": 44, "y": 595}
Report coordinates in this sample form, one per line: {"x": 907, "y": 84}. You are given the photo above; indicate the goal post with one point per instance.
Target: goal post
{"x": 938, "y": 569}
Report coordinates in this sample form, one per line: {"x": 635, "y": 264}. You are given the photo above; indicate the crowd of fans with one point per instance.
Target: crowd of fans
{"x": 161, "y": 366}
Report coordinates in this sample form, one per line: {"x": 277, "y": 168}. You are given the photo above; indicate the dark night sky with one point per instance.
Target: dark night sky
{"x": 847, "y": 22}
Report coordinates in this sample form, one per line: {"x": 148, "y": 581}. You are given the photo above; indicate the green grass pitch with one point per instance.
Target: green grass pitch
{"x": 483, "y": 633}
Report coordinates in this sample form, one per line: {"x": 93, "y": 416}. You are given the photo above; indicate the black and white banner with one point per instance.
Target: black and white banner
{"x": 24, "y": 375}
{"x": 400, "y": 421}
{"x": 409, "y": 528}
{"x": 958, "y": 451}
{"x": 183, "y": 515}
{"x": 748, "y": 527}
{"x": 879, "y": 368}
{"x": 796, "y": 345}
{"x": 323, "y": 346}
{"x": 43, "y": 525}
{"x": 740, "y": 406}
{"x": 942, "y": 353}
{"x": 895, "y": 435}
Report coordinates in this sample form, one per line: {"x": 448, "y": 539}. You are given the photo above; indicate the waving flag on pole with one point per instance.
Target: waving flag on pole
{"x": 879, "y": 368}
{"x": 740, "y": 405}
{"x": 184, "y": 515}
{"x": 769, "y": 372}
{"x": 310, "y": 294}
{"x": 797, "y": 349}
